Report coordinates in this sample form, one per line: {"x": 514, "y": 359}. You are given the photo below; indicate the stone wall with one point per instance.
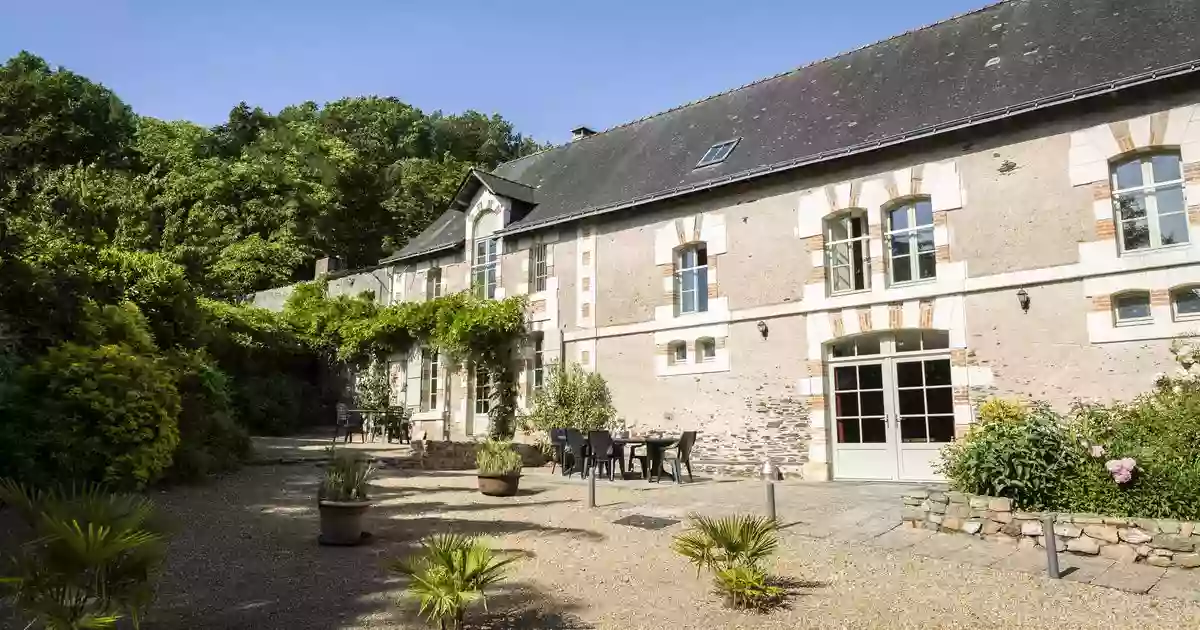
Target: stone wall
{"x": 438, "y": 455}
{"x": 1157, "y": 542}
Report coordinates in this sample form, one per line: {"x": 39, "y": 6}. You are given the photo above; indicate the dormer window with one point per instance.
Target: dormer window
{"x": 718, "y": 152}
{"x": 485, "y": 255}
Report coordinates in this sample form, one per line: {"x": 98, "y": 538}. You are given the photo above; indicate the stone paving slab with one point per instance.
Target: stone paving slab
{"x": 1023, "y": 561}
{"x": 1179, "y": 584}
{"x": 900, "y": 538}
{"x": 1134, "y": 578}
{"x": 1083, "y": 569}
{"x": 983, "y": 553}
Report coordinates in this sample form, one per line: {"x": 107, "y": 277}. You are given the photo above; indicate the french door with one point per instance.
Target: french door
{"x": 891, "y": 416}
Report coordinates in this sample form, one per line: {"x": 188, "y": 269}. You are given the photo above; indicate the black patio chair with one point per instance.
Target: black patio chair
{"x": 679, "y": 455}
{"x": 577, "y": 449}
{"x": 354, "y": 422}
{"x": 558, "y": 442}
{"x": 604, "y": 452}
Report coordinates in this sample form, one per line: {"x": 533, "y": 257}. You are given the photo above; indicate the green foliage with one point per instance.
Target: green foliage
{"x": 90, "y": 561}
{"x": 372, "y": 389}
{"x": 571, "y": 397}
{"x": 1001, "y": 410}
{"x": 1024, "y": 458}
{"x": 497, "y": 458}
{"x": 748, "y": 587}
{"x": 210, "y": 439}
{"x": 347, "y": 477}
{"x": 102, "y": 412}
{"x": 735, "y": 549}
{"x": 1043, "y": 460}
{"x": 720, "y": 543}
{"x": 450, "y": 572}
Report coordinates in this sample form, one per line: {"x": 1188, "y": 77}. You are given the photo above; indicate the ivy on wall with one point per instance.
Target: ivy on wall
{"x": 355, "y": 331}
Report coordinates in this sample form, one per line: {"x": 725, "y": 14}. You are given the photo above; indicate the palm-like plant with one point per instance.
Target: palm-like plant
{"x": 448, "y": 573}
{"x": 91, "y": 559}
{"x": 721, "y": 543}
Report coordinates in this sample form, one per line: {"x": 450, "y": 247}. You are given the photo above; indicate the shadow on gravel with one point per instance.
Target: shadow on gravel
{"x": 244, "y": 555}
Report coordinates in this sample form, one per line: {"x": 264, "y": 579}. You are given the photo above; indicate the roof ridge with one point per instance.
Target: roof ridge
{"x": 810, "y": 64}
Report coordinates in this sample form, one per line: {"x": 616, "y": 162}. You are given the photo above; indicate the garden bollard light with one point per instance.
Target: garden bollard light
{"x": 770, "y": 474}
{"x": 592, "y": 488}
{"x": 1051, "y": 545}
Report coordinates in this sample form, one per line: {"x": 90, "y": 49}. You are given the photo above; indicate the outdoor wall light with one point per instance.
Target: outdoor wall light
{"x": 1023, "y": 300}
{"x": 762, "y": 329}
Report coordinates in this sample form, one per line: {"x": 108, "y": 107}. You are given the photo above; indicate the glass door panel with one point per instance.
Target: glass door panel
{"x": 862, "y": 445}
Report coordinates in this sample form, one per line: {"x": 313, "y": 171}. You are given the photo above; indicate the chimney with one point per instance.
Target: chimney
{"x": 327, "y": 265}
{"x": 581, "y": 132}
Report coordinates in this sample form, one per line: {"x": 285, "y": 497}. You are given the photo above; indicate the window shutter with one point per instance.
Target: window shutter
{"x": 412, "y": 374}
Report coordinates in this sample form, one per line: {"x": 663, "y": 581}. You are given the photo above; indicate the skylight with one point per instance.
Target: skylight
{"x": 718, "y": 152}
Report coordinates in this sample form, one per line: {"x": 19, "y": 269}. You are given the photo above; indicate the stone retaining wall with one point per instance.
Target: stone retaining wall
{"x": 439, "y": 455}
{"x": 1157, "y": 542}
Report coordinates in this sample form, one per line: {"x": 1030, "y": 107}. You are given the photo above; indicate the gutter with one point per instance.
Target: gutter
{"x": 925, "y": 132}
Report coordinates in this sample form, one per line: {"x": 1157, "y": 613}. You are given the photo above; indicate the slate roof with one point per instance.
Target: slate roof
{"x": 1006, "y": 58}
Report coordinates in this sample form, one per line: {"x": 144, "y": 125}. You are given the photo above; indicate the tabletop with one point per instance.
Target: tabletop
{"x": 653, "y": 441}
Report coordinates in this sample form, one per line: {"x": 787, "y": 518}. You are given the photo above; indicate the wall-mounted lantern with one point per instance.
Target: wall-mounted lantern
{"x": 1023, "y": 300}
{"x": 762, "y": 329}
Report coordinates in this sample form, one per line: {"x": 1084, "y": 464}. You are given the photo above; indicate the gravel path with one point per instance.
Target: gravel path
{"x": 244, "y": 556}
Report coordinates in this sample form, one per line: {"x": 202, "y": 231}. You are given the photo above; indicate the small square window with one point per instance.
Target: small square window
{"x": 706, "y": 349}
{"x": 718, "y": 152}
{"x": 1185, "y": 303}
{"x": 1132, "y": 308}
{"x": 677, "y": 352}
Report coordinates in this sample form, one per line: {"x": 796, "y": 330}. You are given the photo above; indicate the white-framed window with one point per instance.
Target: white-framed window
{"x": 1131, "y": 308}
{"x": 847, "y": 252}
{"x": 910, "y": 245}
{"x": 538, "y": 363}
{"x": 1148, "y": 201}
{"x": 539, "y": 270}
{"x": 430, "y": 367}
{"x": 483, "y": 392}
{"x": 433, "y": 283}
{"x": 1185, "y": 302}
{"x": 706, "y": 349}
{"x": 717, "y": 153}
{"x": 677, "y": 352}
{"x": 691, "y": 278}
{"x": 485, "y": 255}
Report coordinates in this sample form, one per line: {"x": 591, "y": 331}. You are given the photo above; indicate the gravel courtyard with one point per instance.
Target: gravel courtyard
{"x": 244, "y": 556}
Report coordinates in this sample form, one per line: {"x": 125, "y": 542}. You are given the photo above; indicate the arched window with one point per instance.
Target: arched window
{"x": 847, "y": 252}
{"x": 1148, "y": 201}
{"x": 485, "y": 255}
{"x": 910, "y": 244}
{"x": 1185, "y": 302}
{"x": 1132, "y": 307}
{"x": 706, "y": 349}
{"x": 691, "y": 278}
{"x": 677, "y": 352}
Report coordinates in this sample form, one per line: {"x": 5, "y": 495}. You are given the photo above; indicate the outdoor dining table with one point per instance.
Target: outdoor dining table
{"x": 654, "y": 450}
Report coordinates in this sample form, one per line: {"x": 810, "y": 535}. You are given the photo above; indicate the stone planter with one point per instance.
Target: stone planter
{"x": 342, "y": 522}
{"x": 499, "y": 486}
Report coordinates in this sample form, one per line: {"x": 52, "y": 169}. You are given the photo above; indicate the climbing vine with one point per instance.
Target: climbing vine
{"x": 356, "y": 331}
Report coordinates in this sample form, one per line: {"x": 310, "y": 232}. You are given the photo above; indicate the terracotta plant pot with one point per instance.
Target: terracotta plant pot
{"x": 342, "y": 522}
{"x": 502, "y": 486}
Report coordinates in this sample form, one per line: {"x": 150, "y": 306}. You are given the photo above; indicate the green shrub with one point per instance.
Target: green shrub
{"x": 91, "y": 560}
{"x": 448, "y": 573}
{"x": 735, "y": 549}
{"x": 1025, "y": 458}
{"x": 572, "y": 397}
{"x": 210, "y": 440}
{"x": 1001, "y": 410}
{"x": 100, "y": 413}
{"x": 498, "y": 458}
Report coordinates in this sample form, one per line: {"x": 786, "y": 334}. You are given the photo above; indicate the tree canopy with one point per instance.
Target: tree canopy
{"x": 126, "y": 241}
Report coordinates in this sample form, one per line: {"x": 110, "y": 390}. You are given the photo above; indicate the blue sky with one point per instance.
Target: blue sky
{"x": 546, "y": 65}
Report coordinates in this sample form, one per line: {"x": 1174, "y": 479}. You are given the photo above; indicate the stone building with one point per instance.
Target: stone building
{"x": 835, "y": 265}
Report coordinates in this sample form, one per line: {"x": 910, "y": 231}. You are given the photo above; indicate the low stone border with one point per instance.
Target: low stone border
{"x": 1156, "y": 542}
{"x": 428, "y": 454}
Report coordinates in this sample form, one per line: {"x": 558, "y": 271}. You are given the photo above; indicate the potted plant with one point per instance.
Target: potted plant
{"x": 499, "y": 468}
{"x": 342, "y": 499}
